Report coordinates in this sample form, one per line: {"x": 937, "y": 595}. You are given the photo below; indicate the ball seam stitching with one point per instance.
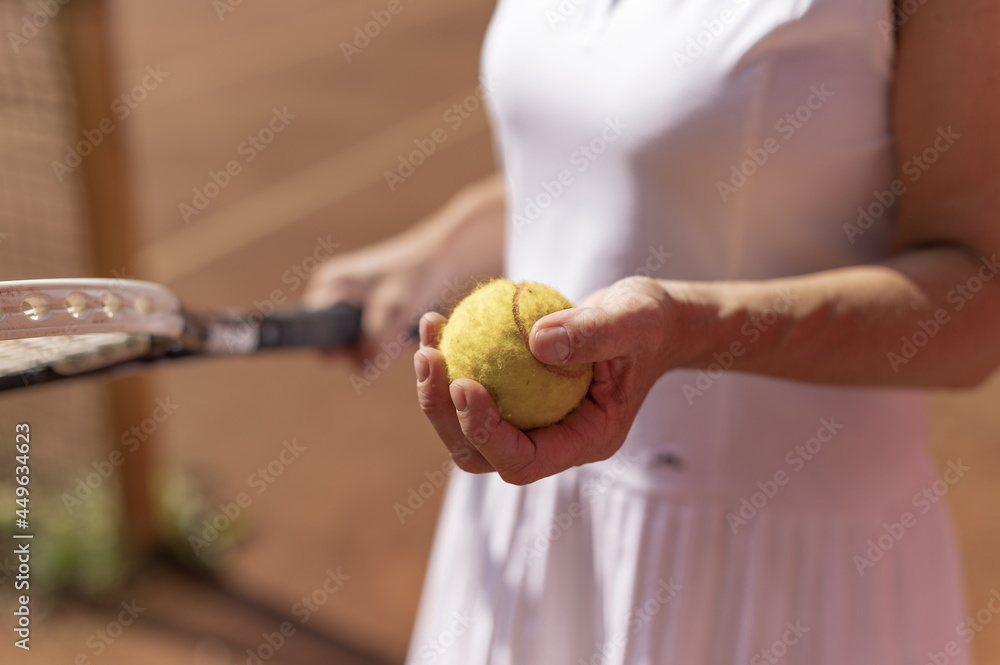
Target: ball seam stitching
{"x": 516, "y": 311}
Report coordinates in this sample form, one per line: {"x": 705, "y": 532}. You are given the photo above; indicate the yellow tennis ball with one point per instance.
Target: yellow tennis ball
{"x": 486, "y": 340}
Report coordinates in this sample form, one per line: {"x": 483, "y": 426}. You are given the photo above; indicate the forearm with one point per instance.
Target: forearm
{"x": 464, "y": 237}
{"x": 913, "y": 320}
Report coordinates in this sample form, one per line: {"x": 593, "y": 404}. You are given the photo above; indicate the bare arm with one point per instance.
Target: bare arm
{"x": 425, "y": 267}
{"x": 468, "y": 231}
{"x": 927, "y": 316}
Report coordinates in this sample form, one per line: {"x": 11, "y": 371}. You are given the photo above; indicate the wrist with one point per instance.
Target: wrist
{"x": 696, "y": 323}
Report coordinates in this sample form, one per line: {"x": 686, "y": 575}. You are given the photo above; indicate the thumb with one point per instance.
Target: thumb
{"x": 590, "y": 334}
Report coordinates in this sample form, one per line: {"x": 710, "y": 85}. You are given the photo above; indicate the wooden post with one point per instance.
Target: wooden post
{"x": 110, "y": 208}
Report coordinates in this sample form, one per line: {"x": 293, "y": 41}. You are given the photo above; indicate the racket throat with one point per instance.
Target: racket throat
{"x": 219, "y": 335}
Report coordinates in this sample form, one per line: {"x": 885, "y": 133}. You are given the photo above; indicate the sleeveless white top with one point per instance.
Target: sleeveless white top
{"x": 746, "y": 519}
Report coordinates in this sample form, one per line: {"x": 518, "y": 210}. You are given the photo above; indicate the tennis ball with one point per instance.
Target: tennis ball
{"x": 486, "y": 340}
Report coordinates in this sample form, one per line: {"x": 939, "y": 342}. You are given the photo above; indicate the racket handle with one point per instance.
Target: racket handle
{"x": 333, "y": 328}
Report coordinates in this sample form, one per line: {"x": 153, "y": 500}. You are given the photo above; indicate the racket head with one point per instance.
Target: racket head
{"x": 61, "y": 307}
{"x": 53, "y": 329}
{"x": 73, "y": 326}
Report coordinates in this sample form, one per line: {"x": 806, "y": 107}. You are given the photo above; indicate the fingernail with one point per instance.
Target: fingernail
{"x": 422, "y": 331}
{"x": 552, "y": 345}
{"x": 421, "y": 367}
{"x": 458, "y": 397}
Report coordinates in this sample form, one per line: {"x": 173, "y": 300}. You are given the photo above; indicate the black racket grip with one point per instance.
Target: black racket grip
{"x": 334, "y": 328}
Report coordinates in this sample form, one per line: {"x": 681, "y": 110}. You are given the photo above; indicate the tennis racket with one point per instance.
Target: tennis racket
{"x": 55, "y": 329}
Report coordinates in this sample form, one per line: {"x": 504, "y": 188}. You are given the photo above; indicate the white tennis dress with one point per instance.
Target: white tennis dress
{"x": 746, "y": 520}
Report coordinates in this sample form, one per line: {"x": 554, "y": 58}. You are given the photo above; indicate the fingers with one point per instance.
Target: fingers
{"x": 389, "y": 314}
{"x": 505, "y": 448}
{"x": 322, "y": 293}
{"x": 466, "y": 419}
{"x": 431, "y": 325}
{"x": 521, "y": 458}
{"x": 387, "y": 323}
{"x": 436, "y": 402}
{"x": 463, "y": 414}
{"x": 327, "y": 288}
{"x": 628, "y": 319}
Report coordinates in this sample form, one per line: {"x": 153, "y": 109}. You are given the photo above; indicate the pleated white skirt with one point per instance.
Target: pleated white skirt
{"x": 569, "y": 570}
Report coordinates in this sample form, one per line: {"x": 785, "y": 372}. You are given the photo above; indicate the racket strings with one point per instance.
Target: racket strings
{"x": 70, "y": 354}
